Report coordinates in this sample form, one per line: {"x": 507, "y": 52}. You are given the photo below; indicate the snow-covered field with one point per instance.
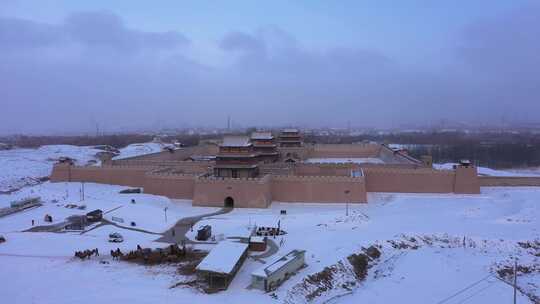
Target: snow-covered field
{"x": 139, "y": 149}
{"x": 501, "y": 216}
{"x": 40, "y": 268}
{"x": 21, "y": 167}
{"x": 25, "y": 166}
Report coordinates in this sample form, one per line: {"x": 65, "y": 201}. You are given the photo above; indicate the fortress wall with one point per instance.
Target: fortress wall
{"x": 325, "y": 169}
{"x": 195, "y": 167}
{"x": 409, "y": 180}
{"x": 466, "y": 180}
{"x": 318, "y": 189}
{"x": 170, "y": 185}
{"x": 246, "y": 192}
{"x": 392, "y": 166}
{"x": 60, "y": 173}
{"x": 509, "y": 181}
{"x": 344, "y": 151}
{"x": 301, "y": 153}
{"x": 114, "y": 175}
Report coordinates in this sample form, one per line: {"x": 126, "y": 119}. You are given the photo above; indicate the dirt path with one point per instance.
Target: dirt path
{"x": 107, "y": 222}
{"x": 184, "y": 225}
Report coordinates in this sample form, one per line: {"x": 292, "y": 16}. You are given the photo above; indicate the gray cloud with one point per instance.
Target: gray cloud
{"x": 107, "y": 29}
{"x": 93, "y": 69}
{"x": 510, "y": 42}
{"x": 91, "y": 29}
{"x": 17, "y": 33}
{"x": 241, "y": 41}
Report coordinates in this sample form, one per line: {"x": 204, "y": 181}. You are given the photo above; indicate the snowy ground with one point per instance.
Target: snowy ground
{"x": 492, "y": 172}
{"x": 139, "y": 149}
{"x": 21, "y": 167}
{"x": 25, "y": 166}
{"x": 428, "y": 274}
{"x": 41, "y": 264}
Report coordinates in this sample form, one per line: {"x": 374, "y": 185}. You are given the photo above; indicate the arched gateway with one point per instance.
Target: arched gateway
{"x": 229, "y": 202}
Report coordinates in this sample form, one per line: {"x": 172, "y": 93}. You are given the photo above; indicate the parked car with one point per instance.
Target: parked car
{"x": 115, "y": 237}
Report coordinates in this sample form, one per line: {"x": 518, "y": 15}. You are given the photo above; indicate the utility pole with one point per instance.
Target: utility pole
{"x": 165, "y": 210}
{"x": 347, "y": 203}
{"x": 82, "y": 190}
{"x": 515, "y": 280}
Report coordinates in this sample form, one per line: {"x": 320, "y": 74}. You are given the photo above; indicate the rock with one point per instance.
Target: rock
{"x": 373, "y": 252}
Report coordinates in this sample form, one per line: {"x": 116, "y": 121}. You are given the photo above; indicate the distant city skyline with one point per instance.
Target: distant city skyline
{"x": 69, "y": 66}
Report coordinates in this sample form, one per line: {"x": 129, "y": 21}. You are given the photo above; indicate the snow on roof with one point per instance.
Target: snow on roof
{"x": 223, "y": 257}
{"x": 236, "y": 141}
{"x": 276, "y": 264}
{"x": 256, "y": 239}
{"x": 290, "y": 130}
{"x": 262, "y": 135}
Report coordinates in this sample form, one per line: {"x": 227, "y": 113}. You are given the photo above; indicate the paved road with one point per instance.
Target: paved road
{"x": 183, "y": 225}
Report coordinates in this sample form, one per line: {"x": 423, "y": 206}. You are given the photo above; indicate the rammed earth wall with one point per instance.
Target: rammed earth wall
{"x": 116, "y": 175}
{"x": 422, "y": 180}
{"x": 344, "y": 151}
{"x": 332, "y": 184}
{"x": 179, "y": 186}
{"x": 245, "y": 192}
{"x": 319, "y": 189}
{"x": 509, "y": 181}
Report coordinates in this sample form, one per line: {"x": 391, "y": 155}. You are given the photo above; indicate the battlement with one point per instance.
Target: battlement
{"x": 170, "y": 175}
{"x": 329, "y": 165}
{"x": 318, "y": 178}
{"x": 216, "y": 179}
{"x": 401, "y": 171}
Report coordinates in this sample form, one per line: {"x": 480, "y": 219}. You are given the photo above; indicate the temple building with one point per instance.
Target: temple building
{"x": 290, "y": 138}
{"x": 236, "y": 158}
{"x": 264, "y": 146}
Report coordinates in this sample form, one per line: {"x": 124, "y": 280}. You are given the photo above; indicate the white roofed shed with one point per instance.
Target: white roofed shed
{"x": 278, "y": 270}
{"x": 219, "y": 267}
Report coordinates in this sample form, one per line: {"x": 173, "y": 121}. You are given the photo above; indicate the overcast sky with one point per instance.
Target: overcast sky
{"x": 66, "y": 66}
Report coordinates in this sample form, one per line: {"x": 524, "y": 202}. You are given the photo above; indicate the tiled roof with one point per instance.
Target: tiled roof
{"x": 261, "y": 135}
{"x": 236, "y": 141}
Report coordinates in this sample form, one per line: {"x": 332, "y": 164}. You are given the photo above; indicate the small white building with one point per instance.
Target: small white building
{"x": 219, "y": 267}
{"x": 277, "y": 271}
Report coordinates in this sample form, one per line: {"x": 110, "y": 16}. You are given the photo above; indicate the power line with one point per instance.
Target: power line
{"x": 465, "y": 289}
{"x": 476, "y": 293}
